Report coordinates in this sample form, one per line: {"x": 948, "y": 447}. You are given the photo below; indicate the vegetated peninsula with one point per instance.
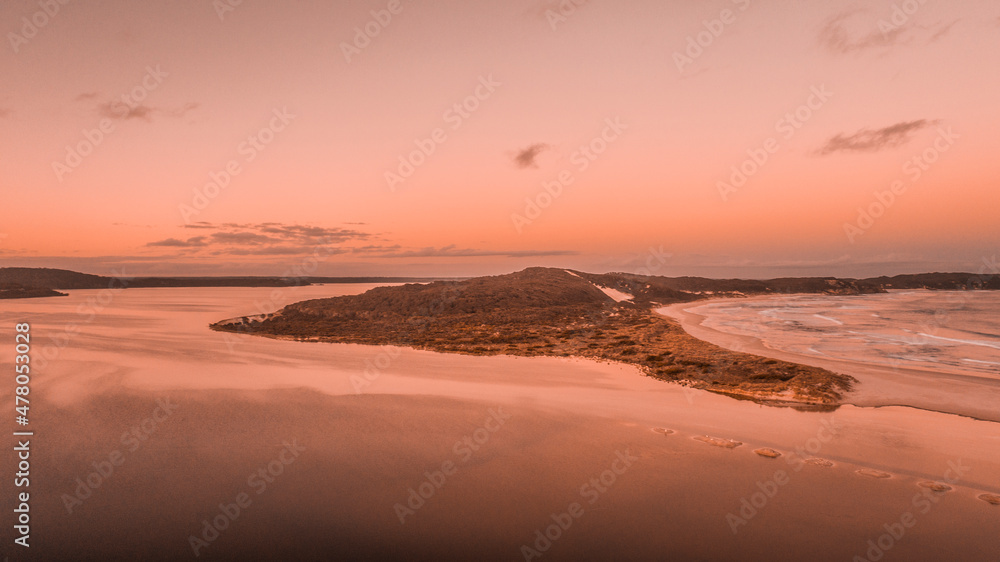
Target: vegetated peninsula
{"x": 15, "y": 291}
{"x": 555, "y": 312}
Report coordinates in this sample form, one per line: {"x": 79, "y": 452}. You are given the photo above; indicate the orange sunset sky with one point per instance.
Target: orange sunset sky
{"x": 839, "y": 102}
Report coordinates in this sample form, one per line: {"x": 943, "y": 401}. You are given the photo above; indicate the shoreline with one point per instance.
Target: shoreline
{"x": 771, "y": 394}
{"x": 877, "y": 386}
{"x": 773, "y": 402}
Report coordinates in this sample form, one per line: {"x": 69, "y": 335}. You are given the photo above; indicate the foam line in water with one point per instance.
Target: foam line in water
{"x": 969, "y": 342}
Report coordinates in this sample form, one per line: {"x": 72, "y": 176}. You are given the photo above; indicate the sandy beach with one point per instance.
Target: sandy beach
{"x": 501, "y": 449}
{"x": 943, "y": 389}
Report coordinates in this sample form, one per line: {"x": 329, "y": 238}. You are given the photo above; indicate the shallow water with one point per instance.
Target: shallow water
{"x": 945, "y": 331}
{"x": 376, "y": 420}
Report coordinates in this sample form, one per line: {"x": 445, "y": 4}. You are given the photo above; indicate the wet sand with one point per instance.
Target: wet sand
{"x": 676, "y": 494}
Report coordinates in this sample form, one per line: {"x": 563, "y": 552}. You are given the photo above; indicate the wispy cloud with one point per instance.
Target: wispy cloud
{"x": 119, "y": 110}
{"x": 269, "y": 238}
{"x": 200, "y": 224}
{"x": 180, "y": 111}
{"x": 941, "y": 30}
{"x": 195, "y": 242}
{"x": 300, "y": 232}
{"x": 242, "y": 238}
{"x": 4, "y": 112}
{"x": 277, "y": 251}
{"x": 122, "y": 111}
{"x": 873, "y": 140}
{"x": 840, "y": 34}
{"x": 279, "y": 239}
{"x": 453, "y": 251}
{"x": 526, "y": 157}
{"x": 857, "y": 31}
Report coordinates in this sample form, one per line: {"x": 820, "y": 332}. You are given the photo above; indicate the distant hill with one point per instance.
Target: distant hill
{"x": 935, "y": 281}
{"x": 45, "y": 278}
{"x": 643, "y": 288}
{"x": 541, "y": 290}
{"x": 51, "y": 278}
{"x": 665, "y": 289}
{"x": 680, "y": 289}
{"x": 551, "y": 290}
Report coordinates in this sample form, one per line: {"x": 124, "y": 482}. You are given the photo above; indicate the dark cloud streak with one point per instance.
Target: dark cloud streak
{"x": 874, "y": 140}
{"x": 277, "y": 239}
{"x": 197, "y": 241}
{"x": 526, "y": 157}
{"x": 121, "y": 111}
{"x": 261, "y": 239}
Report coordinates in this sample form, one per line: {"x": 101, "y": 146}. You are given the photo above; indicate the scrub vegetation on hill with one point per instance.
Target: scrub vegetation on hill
{"x": 553, "y": 312}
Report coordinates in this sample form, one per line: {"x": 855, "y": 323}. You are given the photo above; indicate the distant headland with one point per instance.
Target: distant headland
{"x": 42, "y": 282}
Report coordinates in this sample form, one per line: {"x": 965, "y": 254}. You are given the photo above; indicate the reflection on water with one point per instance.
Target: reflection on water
{"x": 944, "y": 331}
